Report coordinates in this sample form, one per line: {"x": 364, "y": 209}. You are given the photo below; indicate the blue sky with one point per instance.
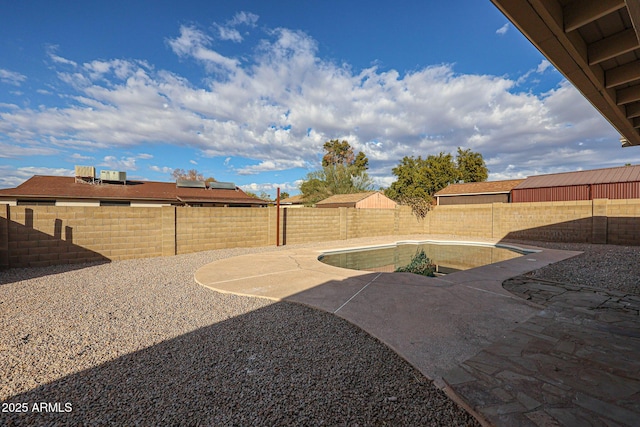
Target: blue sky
{"x": 248, "y": 91}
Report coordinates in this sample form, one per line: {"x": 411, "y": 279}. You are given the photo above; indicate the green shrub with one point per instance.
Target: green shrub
{"x": 420, "y": 264}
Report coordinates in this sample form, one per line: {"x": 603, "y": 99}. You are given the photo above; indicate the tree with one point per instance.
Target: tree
{"x": 335, "y": 179}
{"x": 264, "y": 196}
{"x": 190, "y": 175}
{"x": 471, "y": 166}
{"x": 342, "y": 173}
{"x": 361, "y": 162}
{"x": 284, "y": 195}
{"x": 417, "y": 179}
{"x": 341, "y": 153}
{"x": 421, "y": 178}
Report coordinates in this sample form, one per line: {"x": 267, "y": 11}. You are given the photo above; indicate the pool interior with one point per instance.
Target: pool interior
{"x": 448, "y": 257}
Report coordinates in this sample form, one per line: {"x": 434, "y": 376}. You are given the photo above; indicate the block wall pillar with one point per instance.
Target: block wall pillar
{"x": 599, "y": 222}
{"x": 169, "y": 237}
{"x": 344, "y": 226}
{"x": 5, "y": 217}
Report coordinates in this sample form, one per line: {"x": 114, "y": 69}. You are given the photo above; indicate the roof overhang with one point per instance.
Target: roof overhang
{"x": 85, "y": 198}
{"x": 224, "y": 201}
{"x": 595, "y": 44}
{"x": 482, "y": 193}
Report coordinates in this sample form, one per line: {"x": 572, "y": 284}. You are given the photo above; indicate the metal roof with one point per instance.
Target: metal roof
{"x": 596, "y": 176}
{"x": 596, "y": 45}
{"x": 487, "y": 187}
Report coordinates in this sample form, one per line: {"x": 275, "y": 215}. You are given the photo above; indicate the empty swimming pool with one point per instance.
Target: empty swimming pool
{"x": 447, "y": 256}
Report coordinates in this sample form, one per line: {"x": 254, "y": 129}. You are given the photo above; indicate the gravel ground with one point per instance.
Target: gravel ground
{"x": 140, "y": 343}
{"x": 607, "y": 267}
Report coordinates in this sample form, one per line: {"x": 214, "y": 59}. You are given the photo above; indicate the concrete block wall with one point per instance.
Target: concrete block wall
{"x": 203, "y": 229}
{"x": 4, "y": 236}
{"x": 547, "y": 221}
{"x": 407, "y": 223}
{"x": 462, "y": 220}
{"x": 370, "y": 222}
{"x": 304, "y": 225}
{"x": 623, "y": 222}
{"x": 45, "y": 235}
{"x": 48, "y": 235}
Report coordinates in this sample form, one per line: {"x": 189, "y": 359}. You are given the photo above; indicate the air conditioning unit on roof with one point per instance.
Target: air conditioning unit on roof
{"x": 113, "y": 176}
{"x": 85, "y": 171}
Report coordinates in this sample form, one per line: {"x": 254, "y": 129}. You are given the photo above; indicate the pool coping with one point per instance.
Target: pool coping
{"x": 511, "y": 247}
{"x": 436, "y": 242}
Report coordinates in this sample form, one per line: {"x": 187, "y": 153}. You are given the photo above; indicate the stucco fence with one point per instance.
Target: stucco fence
{"x": 46, "y": 235}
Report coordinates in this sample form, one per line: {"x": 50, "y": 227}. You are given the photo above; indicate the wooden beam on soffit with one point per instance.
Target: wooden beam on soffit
{"x": 623, "y": 74}
{"x": 628, "y": 95}
{"x": 610, "y": 47}
{"x": 580, "y": 13}
{"x": 633, "y": 7}
{"x": 633, "y": 110}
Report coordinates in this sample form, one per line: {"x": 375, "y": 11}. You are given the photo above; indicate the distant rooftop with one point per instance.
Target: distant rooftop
{"x": 594, "y": 176}
{"x": 486, "y": 187}
{"x": 62, "y": 187}
{"x": 346, "y": 198}
{"x": 294, "y": 200}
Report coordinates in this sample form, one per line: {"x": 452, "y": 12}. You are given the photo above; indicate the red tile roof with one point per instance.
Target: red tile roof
{"x": 488, "y": 187}
{"x": 62, "y": 187}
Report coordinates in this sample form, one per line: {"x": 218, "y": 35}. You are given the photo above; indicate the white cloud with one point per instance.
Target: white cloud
{"x": 280, "y": 110}
{"x": 246, "y": 18}
{"x": 226, "y": 33}
{"x": 124, "y": 163}
{"x": 503, "y": 30}
{"x": 12, "y": 177}
{"x": 163, "y": 169}
{"x": 78, "y": 156}
{"x": 11, "y": 77}
{"x": 194, "y": 43}
{"x": 271, "y": 165}
{"x": 542, "y": 66}
{"x": 51, "y": 52}
{"x": 270, "y": 187}
{"x": 8, "y": 150}
{"x": 229, "y": 32}
{"x": 193, "y": 162}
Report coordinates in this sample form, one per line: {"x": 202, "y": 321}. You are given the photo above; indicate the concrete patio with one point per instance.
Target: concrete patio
{"x": 447, "y": 326}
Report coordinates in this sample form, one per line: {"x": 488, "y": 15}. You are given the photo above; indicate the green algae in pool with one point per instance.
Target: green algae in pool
{"x": 448, "y": 258}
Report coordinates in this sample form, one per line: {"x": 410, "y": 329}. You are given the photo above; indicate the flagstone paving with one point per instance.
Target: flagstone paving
{"x": 574, "y": 363}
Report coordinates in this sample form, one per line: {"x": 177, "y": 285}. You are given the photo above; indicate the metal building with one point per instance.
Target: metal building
{"x": 611, "y": 183}
{"x": 471, "y": 193}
